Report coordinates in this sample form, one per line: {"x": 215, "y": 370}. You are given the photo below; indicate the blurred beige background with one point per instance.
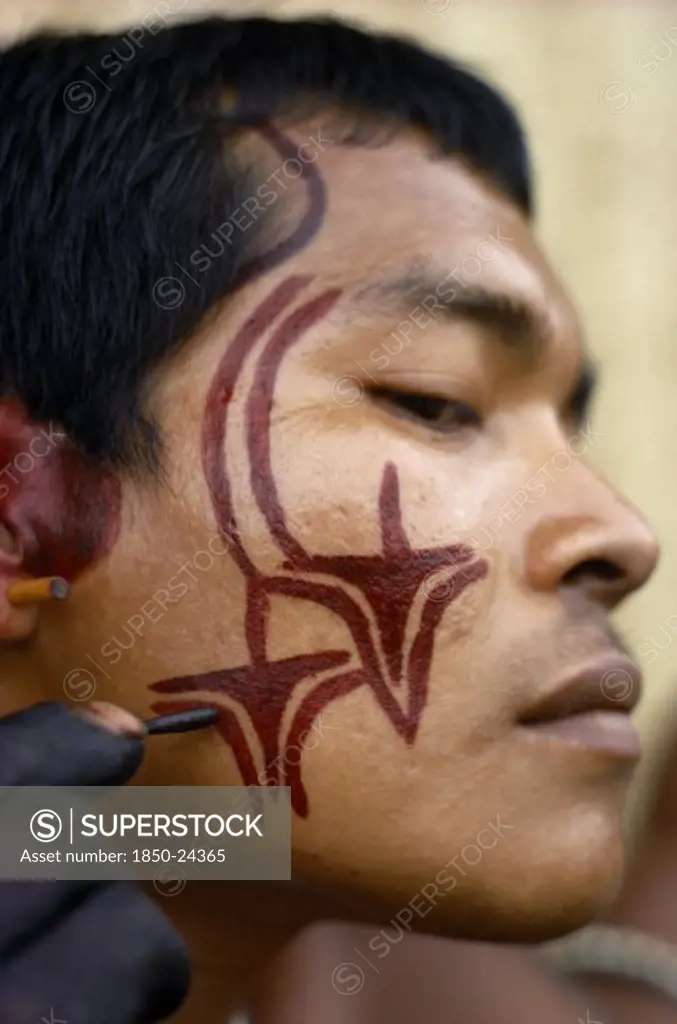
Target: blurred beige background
{"x": 597, "y": 88}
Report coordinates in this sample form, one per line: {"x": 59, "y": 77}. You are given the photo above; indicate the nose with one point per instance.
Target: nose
{"x": 592, "y": 541}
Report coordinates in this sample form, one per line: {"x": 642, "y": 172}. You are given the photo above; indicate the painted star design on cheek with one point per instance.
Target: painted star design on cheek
{"x": 391, "y": 582}
{"x": 375, "y": 595}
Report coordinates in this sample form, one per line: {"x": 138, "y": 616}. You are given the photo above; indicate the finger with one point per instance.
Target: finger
{"x": 27, "y": 908}
{"x": 114, "y": 960}
{"x": 50, "y": 745}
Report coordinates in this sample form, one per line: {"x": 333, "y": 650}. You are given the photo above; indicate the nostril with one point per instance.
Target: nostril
{"x": 594, "y": 570}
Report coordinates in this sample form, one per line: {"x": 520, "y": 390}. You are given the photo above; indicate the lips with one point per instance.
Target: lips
{"x": 611, "y": 683}
{"x": 589, "y": 710}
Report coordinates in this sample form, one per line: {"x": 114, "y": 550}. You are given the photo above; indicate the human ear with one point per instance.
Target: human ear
{"x": 59, "y": 510}
{"x": 16, "y": 623}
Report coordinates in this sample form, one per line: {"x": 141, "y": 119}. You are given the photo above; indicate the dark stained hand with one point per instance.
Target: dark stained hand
{"x": 81, "y": 952}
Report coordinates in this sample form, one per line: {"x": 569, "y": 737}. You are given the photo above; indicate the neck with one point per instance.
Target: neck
{"x": 234, "y": 932}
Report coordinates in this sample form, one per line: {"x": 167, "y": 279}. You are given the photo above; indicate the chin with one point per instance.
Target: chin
{"x": 543, "y": 888}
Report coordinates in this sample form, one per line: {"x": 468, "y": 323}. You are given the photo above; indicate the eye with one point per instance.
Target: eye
{"x": 442, "y": 414}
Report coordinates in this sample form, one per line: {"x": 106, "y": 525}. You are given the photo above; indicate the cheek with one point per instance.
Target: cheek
{"x": 329, "y": 484}
{"x": 316, "y": 528}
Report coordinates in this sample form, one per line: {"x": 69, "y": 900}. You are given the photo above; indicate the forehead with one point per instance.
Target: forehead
{"x": 400, "y": 201}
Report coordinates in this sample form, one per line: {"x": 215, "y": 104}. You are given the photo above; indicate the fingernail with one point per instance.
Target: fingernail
{"x": 113, "y": 718}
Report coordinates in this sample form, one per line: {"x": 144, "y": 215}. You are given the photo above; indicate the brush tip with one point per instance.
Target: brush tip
{"x": 182, "y": 721}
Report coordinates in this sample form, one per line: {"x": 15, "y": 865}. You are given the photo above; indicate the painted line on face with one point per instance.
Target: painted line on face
{"x": 391, "y": 662}
{"x": 169, "y": 292}
{"x": 214, "y": 431}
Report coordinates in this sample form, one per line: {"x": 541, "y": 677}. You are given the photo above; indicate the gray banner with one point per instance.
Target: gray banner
{"x": 168, "y": 834}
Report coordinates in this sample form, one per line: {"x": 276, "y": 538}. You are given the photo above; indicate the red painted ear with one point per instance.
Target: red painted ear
{"x": 62, "y": 508}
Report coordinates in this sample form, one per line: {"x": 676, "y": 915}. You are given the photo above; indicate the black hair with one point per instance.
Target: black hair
{"x": 115, "y": 164}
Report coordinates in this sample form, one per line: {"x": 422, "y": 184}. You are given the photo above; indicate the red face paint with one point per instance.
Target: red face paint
{"x": 311, "y": 219}
{"x": 389, "y": 658}
{"x": 65, "y": 509}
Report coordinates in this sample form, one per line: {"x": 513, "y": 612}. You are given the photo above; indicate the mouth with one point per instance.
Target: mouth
{"x": 590, "y": 709}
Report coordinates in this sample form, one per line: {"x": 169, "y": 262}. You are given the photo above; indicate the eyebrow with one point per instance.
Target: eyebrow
{"x": 515, "y": 323}
{"x": 512, "y": 321}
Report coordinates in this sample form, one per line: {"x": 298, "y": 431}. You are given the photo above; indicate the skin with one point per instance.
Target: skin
{"x": 423, "y": 978}
{"x": 432, "y": 757}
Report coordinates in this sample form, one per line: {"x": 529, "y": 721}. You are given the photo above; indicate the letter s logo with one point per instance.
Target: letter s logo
{"x": 46, "y": 826}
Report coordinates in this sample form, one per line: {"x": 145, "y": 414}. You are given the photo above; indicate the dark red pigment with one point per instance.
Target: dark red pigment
{"x": 62, "y": 506}
{"x": 394, "y": 667}
{"x": 309, "y": 223}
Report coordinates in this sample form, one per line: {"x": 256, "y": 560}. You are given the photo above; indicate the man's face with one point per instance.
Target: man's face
{"x": 379, "y": 548}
